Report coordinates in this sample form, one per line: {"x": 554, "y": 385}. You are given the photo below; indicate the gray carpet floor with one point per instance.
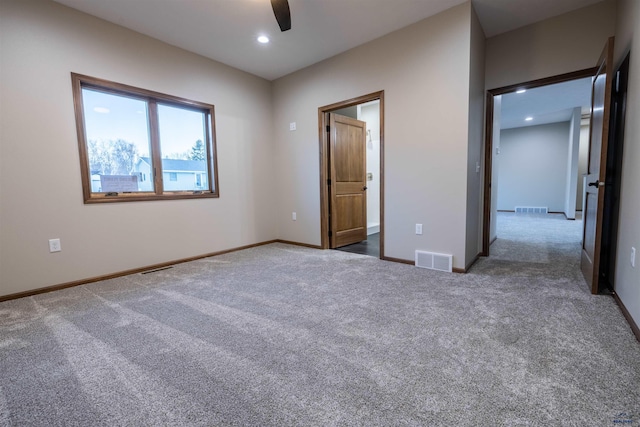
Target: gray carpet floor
{"x": 281, "y": 335}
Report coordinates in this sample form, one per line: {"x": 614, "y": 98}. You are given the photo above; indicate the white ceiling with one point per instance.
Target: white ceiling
{"x": 226, "y": 30}
{"x": 546, "y": 104}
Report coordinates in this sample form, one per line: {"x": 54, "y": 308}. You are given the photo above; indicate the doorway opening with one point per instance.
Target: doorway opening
{"x": 351, "y": 139}
{"x": 595, "y": 239}
{"x": 534, "y": 164}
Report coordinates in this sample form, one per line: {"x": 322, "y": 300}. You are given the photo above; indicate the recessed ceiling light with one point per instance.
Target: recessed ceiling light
{"x": 521, "y": 91}
{"x": 529, "y": 119}
{"x": 263, "y": 39}
{"x": 102, "y": 110}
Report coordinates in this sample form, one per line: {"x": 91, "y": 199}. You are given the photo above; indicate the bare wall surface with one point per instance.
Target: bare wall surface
{"x": 533, "y": 167}
{"x": 476, "y": 138}
{"x": 572, "y": 164}
{"x": 370, "y": 114}
{"x": 627, "y": 278}
{"x": 42, "y": 43}
{"x": 424, "y": 71}
{"x": 559, "y": 45}
{"x": 583, "y": 162}
{"x": 495, "y": 165}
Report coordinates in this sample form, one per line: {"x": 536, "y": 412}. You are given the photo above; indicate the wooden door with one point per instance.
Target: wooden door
{"x": 347, "y": 169}
{"x": 596, "y": 173}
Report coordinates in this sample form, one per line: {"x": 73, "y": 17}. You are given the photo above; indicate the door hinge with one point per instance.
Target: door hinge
{"x": 329, "y": 181}
{"x": 328, "y": 128}
{"x": 330, "y": 233}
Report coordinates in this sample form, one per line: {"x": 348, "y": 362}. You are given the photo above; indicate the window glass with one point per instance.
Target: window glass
{"x": 184, "y": 154}
{"x": 117, "y": 142}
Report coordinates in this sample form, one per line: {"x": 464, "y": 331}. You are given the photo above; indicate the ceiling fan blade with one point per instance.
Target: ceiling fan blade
{"x": 282, "y": 13}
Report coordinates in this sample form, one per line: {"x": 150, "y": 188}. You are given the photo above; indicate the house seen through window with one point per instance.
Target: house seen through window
{"x": 141, "y": 145}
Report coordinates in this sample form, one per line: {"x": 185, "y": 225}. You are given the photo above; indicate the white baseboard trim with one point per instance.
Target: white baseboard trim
{"x": 373, "y": 229}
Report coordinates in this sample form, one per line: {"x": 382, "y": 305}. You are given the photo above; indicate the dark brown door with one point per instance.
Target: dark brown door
{"x": 347, "y": 167}
{"x": 596, "y": 173}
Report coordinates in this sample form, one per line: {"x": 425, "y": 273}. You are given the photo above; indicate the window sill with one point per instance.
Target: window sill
{"x": 129, "y": 197}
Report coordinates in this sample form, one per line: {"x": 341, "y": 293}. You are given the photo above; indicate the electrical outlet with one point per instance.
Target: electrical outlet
{"x": 418, "y": 229}
{"x": 294, "y": 216}
{"x": 633, "y": 257}
{"x": 292, "y": 126}
{"x": 54, "y": 245}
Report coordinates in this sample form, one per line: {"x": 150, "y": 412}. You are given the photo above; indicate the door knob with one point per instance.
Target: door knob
{"x": 594, "y": 183}
{"x": 364, "y": 188}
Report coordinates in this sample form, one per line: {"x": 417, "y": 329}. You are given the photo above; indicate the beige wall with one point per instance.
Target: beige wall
{"x": 583, "y": 162}
{"x": 495, "y": 166}
{"x": 41, "y": 194}
{"x": 559, "y": 45}
{"x": 627, "y": 278}
{"x": 476, "y": 140}
{"x": 524, "y": 153}
{"x": 370, "y": 114}
{"x": 424, "y": 71}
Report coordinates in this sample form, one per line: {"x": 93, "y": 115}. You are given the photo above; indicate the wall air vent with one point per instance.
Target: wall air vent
{"x": 532, "y": 209}
{"x": 434, "y": 261}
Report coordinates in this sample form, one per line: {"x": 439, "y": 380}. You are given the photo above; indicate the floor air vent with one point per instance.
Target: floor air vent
{"x": 433, "y": 261}
{"x": 532, "y": 209}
